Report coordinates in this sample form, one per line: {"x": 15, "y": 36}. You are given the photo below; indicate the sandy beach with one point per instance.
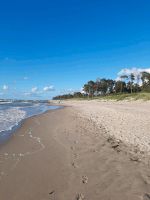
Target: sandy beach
{"x": 87, "y": 150}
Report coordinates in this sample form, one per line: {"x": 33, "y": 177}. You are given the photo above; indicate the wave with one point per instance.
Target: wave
{"x": 12, "y": 114}
{"x": 10, "y": 118}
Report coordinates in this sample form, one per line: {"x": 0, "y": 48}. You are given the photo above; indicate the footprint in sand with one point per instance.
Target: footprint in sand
{"x": 52, "y": 195}
{"x": 74, "y": 165}
{"x": 75, "y": 155}
{"x": 84, "y": 179}
{"x": 72, "y": 148}
{"x": 135, "y": 158}
{"x": 80, "y": 197}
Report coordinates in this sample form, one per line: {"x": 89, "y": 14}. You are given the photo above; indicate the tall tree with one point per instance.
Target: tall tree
{"x": 145, "y": 81}
{"x": 89, "y": 88}
{"x": 120, "y": 86}
{"x": 110, "y": 85}
{"x": 123, "y": 79}
{"x": 132, "y": 78}
{"x": 103, "y": 86}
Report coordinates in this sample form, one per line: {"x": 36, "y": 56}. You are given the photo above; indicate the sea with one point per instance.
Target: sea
{"x": 12, "y": 113}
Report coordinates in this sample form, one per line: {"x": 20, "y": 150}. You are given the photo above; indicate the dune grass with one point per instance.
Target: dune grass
{"x": 119, "y": 97}
{"x": 134, "y": 96}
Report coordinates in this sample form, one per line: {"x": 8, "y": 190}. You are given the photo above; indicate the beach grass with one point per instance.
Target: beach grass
{"x": 126, "y": 96}
{"x": 119, "y": 97}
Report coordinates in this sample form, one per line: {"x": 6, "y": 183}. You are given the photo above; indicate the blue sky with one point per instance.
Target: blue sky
{"x": 50, "y": 47}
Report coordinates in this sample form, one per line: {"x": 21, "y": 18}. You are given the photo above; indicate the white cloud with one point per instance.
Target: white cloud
{"x": 48, "y": 88}
{"x": 34, "y": 89}
{"x": 70, "y": 91}
{"x": 136, "y": 71}
{"x": 5, "y": 87}
{"x": 36, "y": 92}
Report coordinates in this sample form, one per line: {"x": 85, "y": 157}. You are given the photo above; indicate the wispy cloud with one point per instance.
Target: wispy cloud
{"x": 36, "y": 92}
{"x": 136, "y": 71}
{"x": 5, "y": 87}
{"x": 48, "y": 88}
{"x": 70, "y": 91}
{"x": 34, "y": 89}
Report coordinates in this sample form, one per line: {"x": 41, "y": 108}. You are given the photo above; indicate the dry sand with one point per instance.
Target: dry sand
{"x": 126, "y": 121}
{"x": 72, "y": 153}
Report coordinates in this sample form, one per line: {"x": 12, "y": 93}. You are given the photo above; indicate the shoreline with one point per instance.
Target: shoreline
{"x": 6, "y": 135}
{"x": 62, "y": 154}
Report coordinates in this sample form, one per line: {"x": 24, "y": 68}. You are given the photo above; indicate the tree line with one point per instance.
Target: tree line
{"x": 101, "y": 87}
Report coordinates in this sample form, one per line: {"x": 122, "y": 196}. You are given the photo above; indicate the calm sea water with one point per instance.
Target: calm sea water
{"x": 12, "y": 113}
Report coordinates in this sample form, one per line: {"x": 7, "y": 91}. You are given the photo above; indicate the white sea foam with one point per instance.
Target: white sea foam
{"x": 5, "y": 102}
{"x": 14, "y": 112}
{"x": 10, "y": 117}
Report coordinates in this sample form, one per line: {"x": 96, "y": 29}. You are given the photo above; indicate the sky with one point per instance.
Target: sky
{"x": 53, "y": 47}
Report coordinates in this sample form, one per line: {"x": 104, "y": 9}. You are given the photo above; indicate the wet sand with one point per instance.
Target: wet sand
{"x": 65, "y": 154}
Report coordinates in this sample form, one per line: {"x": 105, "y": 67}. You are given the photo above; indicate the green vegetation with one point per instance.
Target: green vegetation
{"x": 126, "y": 88}
{"x": 127, "y": 96}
